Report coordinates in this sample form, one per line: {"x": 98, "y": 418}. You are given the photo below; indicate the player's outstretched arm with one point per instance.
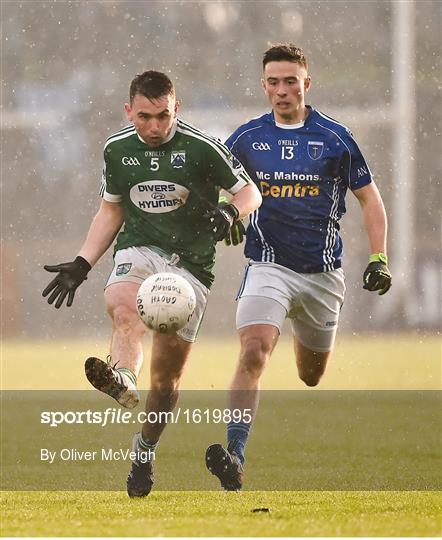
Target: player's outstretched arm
{"x": 104, "y": 227}
{"x": 377, "y": 276}
{"x": 102, "y": 232}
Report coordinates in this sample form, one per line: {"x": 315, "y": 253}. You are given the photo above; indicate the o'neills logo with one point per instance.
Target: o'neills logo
{"x": 158, "y": 197}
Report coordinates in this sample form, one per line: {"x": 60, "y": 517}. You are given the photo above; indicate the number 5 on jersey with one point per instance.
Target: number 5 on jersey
{"x": 154, "y": 164}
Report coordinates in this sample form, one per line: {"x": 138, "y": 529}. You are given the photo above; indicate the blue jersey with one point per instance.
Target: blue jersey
{"x": 303, "y": 172}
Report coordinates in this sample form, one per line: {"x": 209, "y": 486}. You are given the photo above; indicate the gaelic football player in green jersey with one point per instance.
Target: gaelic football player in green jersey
{"x": 161, "y": 182}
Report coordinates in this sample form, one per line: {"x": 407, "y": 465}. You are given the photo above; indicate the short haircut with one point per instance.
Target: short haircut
{"x": 151, "y": 84}
{"x": 284, "y": 52}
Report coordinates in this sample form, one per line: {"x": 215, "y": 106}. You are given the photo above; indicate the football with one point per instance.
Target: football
{"x": 165, "y": 302}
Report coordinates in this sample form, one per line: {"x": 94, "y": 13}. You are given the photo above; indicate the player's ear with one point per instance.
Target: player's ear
{"x": 307, "y": 83}
{"x": 263, "y": 84}
{"x": 177, "y": 106}
{"x": 128, "y": 111}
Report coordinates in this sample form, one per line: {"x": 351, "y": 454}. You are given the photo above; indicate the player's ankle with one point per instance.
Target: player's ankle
{"x": 237, "y": 435}
{"x": 237, "y": 447}
{"x": 127, "y": 373}
{"x": 146, "y": 446}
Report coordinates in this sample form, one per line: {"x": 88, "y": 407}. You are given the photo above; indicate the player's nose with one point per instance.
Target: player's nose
{"x": 154, "y": 126}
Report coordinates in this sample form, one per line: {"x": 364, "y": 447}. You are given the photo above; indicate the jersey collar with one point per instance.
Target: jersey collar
{"x": 168, "y": 138}
{"x": 293, "y": 126}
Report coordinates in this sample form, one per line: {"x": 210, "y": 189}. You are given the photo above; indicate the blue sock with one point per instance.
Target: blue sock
{"x": 237, "y": 434}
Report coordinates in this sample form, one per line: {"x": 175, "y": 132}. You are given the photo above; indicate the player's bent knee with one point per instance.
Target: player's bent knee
{"x": 312, "y": 368}
{"x": 165, "y": 386}
{"x": 253, "y": 366}
{"x": 310, "y": 380}
{"x": 254, "y": 355}
{"x": 255, "y": 345}
{"x": 126, "y": 319}
{"x": 311, "y": 372}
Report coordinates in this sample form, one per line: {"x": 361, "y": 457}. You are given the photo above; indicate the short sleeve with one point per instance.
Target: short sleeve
{"x": 354, "y": 169}
{"x": 233, "y": 144}
{"x": 108, "y": 190}
{"x": 226, "y": 169}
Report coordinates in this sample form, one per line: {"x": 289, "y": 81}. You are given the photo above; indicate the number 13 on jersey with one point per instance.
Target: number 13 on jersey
{"x": 287, "y": 152}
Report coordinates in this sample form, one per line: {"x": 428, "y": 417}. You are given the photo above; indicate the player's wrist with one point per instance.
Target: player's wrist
{"x": 378, "y": 257}
{"x": 83, "y": 265}
{"x": 231, "y": 210}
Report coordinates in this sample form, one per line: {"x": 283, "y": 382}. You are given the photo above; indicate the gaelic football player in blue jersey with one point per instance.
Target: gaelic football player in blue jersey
{"x": 157, "y": 153}
{"x": 303, "y": 162}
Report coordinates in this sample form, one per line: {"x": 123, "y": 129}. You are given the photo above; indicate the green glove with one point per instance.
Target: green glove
{"x": 237, "y": 231}
{"x": 377, "y": 276}
{"x": 236, "y": 234}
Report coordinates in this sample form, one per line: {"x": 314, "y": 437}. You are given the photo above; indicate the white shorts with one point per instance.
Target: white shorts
{"x": 135, "y": 264}
{"x": 270, "y": 293}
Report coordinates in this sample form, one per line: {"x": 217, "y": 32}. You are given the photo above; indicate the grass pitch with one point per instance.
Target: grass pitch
{"x": 192, "y": 513}
{"x": 388, "y": 363}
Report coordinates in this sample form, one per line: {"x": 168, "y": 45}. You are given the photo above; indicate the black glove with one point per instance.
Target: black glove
{"x": 70, "y": 276}
{"x": 222, "y": 218}
{"x": 236, "y": 234}
{"x": 377, "y": 276}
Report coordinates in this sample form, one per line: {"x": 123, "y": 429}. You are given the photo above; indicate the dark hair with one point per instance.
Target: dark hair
{"x": 151, "y": 84}
{"x": 284, "y": 51}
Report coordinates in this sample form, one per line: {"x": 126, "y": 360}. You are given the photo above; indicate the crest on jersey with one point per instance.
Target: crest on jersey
{"x": 178, "y": 159}
{"x": 123, "y": 269}
{"x": 234, "y": 162}
{"x": 315, "y": 149}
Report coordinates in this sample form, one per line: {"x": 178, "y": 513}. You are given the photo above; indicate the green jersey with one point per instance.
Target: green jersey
{"x": 165, "y": 192}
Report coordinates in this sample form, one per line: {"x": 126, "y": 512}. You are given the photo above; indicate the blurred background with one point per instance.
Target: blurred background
{"x": 66, "y": 69}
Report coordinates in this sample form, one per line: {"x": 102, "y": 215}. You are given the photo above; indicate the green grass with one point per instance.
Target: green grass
{"x": 222, "y": 514}
{"x": 392, "y": 362}
{"x": 301, "y": 440}
{"x": 400, "y": 362}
